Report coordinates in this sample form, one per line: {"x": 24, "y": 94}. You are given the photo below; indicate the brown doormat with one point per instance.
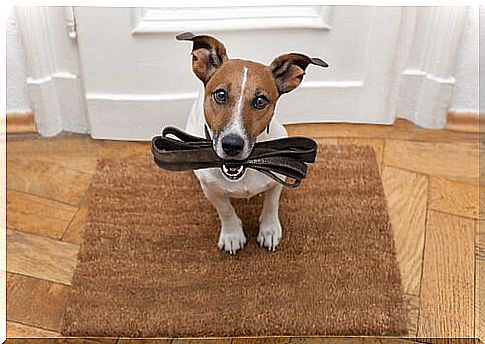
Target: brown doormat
{"x": 149, "y": 265}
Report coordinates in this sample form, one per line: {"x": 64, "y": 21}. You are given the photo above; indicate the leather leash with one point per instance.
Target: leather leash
{"x": 286, "y": 156}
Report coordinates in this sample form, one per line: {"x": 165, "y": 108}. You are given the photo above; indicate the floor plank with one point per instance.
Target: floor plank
{"x": 447, "y": 304}
{"x": 479, "y": 304}
{"x": 75, "y": 230}
{"x": 41, "y": 257}
{"x": 401, "y": 130}
{"x": 480, "y": 281}
{"x": 86, "y": 164}
{"x": 37, "y": 215}
{"x": 35, "y": 302}
{"x": 412, "y": 305}
{"x": 42, "y": 178}
{"x": 18, "y": 330}
{"x": 454, "y": 197}
{"x": 457, "y": 160}
{"x": 66, "y": 144}
{"x": 76, "y": 152}
{"x": 406, "y": 194}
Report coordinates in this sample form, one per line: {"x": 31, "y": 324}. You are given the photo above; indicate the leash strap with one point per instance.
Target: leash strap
{"x": 176, "y": 150}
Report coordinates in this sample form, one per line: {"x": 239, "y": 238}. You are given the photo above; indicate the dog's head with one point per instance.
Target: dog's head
{"x": 240, "y": 95}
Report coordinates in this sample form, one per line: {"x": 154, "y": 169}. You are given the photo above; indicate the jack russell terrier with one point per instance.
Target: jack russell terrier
{"x": 235, "y": 111}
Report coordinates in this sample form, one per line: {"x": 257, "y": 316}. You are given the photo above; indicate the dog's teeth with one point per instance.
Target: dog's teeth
{"x": 233, "y": 173}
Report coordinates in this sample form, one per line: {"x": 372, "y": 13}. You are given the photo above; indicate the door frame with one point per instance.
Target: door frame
{"x": 54, "y": 75}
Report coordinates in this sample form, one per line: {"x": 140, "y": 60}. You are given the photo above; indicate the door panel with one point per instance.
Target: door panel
{"x": 138, "y": 78}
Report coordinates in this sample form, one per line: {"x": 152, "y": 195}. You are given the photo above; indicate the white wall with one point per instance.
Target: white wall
{"x": 18, "y": 99}
{"x": 465, "y": 92}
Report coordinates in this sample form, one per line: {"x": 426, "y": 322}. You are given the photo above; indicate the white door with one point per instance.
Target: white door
{"x": 138, "y": 78}
{"x": 119, "y": 72}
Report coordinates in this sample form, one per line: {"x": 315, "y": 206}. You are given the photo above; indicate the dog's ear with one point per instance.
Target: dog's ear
{"x": 207, "y": 54}
{"x": 289, "y": 69}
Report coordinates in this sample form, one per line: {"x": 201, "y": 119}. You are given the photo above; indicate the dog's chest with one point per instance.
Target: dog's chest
{"x": 251, "y": 184}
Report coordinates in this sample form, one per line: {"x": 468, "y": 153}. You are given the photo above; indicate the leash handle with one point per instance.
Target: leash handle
{"x": 182, "y": 135}
{"x": 284, "y": 182}
{"x": 285, "y": 157}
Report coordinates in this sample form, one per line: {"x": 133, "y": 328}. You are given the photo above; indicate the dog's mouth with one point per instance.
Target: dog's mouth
{"x": 233, "y": 172}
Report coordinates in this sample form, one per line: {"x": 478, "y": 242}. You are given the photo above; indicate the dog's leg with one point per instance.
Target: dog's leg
{"x": 269, "y": 223}
{"x": 232, "y": 236}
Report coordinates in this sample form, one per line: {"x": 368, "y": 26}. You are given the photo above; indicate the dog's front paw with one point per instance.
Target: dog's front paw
{"x": 269, "y": 234}
{"x": 231, "y": 241}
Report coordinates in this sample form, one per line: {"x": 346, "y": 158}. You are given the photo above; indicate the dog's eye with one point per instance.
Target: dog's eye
{"x": 220, "y": 96}
{"x": 260, "y": 102}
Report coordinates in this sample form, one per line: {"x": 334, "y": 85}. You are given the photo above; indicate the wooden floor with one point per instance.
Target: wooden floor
{"x": 431, "y": 180}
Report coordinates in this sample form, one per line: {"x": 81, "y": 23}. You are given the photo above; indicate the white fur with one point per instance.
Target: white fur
{"x": 235, "y": 126}
{"x": 218, "y": 189}
{"x": 237, "y": 115}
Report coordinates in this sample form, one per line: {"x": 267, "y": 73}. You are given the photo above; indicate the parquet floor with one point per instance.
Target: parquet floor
{"x": 431, "y": 180}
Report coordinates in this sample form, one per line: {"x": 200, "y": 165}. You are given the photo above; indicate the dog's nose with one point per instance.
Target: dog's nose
{"x": 232, "y": 144}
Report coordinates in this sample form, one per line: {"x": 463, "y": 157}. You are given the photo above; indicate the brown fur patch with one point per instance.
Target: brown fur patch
{"x": 207, "y": 54}
{"x": 229, "y": 77}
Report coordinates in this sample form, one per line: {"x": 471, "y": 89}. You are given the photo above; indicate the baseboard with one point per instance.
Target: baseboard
{"x": 19, "y": 123}
{"x": 464, "y": 121}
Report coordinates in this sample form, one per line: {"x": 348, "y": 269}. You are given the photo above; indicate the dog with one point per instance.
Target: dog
{"x": 236, "y": 109}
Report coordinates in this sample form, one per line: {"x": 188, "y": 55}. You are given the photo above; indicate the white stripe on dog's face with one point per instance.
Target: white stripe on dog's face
{"x": 235, "y": 125}
{"x": 237, "y": 115}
